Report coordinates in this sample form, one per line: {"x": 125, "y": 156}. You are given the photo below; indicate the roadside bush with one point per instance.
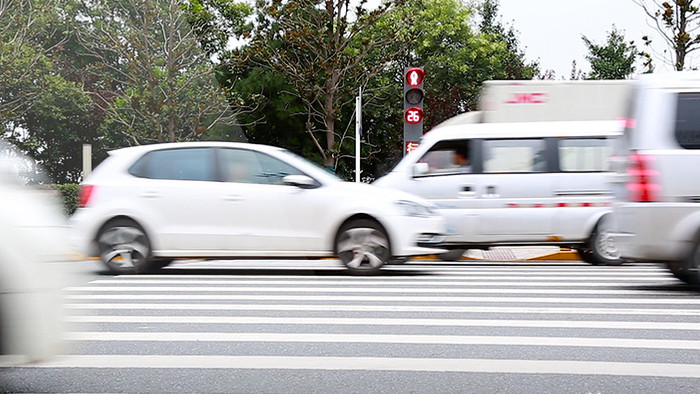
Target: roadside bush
{"x": 69, "y": 193}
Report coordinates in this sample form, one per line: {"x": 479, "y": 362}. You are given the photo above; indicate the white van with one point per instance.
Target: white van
{"x": 527, "y": 183}
{"x": 658, "y": 215}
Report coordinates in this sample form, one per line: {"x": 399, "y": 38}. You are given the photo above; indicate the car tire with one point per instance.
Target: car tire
{"x": 601, "y": 249}
{"x": 362, "y": 245}
{"x": 124, "y": 247}
{"x": 452, "y": 255}
{"x": 688, "y": 269}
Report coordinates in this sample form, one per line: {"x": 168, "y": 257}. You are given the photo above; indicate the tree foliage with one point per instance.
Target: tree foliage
{"x": 155, "y": 83}
{"x": 613, "y": 60}
{"x": 678, "y": 23}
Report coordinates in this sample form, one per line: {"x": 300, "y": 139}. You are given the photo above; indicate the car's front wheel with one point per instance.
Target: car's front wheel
{"x": 363, "y": 246}
{"x": 124, "y": 247}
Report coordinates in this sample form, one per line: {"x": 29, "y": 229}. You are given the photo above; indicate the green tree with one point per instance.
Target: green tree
{"x": 154, "y": 82}
{"x": 613, "y": 60}
{"x": 41, "y": 112}
{"x": 677, "y": 21}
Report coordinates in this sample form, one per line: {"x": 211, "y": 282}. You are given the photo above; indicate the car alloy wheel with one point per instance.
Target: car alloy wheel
{"x": 363, "y": 246}
{"x": 124, "y": 247}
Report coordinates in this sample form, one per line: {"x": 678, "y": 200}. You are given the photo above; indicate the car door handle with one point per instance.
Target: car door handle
{"x": 151, "y": 195}
{"x": 467, "y": 191}
{"x": 234, "y": 198}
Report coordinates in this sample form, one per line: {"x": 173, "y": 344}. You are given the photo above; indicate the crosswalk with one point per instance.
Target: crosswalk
{"x": 538, "y": 318}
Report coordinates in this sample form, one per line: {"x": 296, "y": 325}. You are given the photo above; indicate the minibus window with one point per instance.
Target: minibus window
{"x": 585, "y": 154}
{"x": 514, "y": 156}
{"x": 448, "y": 157}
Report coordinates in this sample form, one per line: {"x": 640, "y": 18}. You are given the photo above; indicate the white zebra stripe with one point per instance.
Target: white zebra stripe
{"x": 116, "y": 336}
{"x": 539, "y": 367}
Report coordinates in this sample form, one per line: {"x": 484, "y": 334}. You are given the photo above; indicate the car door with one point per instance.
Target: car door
{"x": 514, "y": 200}
{"x": 174, "y": 187}
{"x": 584, "y": 186}
{"x": 255, "y": 203}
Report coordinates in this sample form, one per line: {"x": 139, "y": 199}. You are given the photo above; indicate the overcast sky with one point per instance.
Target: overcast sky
{"x": 551, "y": 29}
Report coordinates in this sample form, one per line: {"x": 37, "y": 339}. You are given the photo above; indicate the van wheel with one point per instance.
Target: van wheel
{"x": 124, "y": 247}
{"x": 601, "y": 248}
{"x": 452, "y": 255}
{"x": 688, "y": 270}
{"x": 362, "y": 246}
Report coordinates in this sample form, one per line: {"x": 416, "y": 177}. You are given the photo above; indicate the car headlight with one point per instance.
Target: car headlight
{"x": 411, "y": 208}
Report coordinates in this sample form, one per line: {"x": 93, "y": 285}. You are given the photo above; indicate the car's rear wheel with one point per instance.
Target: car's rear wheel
{"x": 601, "y": 248}
{"x": 124, "y": 247}
{"x": 688, "y": 270}
{"x": 363, "y": 246}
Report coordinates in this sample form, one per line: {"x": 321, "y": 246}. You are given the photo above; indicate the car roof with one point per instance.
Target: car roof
{"x": 582, "y": 128}
{"x": 140, "y": 149}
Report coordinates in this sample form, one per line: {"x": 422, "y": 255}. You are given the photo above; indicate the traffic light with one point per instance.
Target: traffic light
{"x": 412, "y": 106}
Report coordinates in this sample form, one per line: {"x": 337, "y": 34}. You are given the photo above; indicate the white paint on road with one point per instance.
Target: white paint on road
{"x": 112, "y": 336}
{"x": 387, "y": 298}
{"x": 620, "y": 325}
{"x": 388, "y": 308}
{"x": 537, "y": 367}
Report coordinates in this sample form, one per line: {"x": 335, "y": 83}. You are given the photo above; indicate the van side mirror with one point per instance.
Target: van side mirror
{"x": 420, "y": 169}
{"x": 301, "y": 181}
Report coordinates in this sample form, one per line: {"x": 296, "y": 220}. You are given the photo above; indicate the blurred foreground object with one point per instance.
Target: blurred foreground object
{"x": 32, "y": 237}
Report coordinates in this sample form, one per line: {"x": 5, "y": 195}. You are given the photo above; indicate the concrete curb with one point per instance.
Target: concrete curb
{"x": 567, "y": 255}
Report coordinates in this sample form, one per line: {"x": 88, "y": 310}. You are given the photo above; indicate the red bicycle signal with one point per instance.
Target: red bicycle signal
{"x": 414, "y": 115}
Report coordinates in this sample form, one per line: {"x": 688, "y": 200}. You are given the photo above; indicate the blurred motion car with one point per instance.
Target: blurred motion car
{"x": 33, "y": 238}
{"x": 147, "y": 205}
{"x": 657, "y": 218}
{"x": 523, "y": 183}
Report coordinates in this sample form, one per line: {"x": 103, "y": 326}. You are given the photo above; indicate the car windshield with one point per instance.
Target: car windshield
{"x": 16, "y": 167}
{"x": 314, "y": 170}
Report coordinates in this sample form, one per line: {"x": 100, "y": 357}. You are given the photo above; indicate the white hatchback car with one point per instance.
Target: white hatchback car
{"x": 145, "y": 206}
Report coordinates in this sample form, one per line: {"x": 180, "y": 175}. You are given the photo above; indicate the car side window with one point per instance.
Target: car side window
{"x": 585, "y": 154}
{"x": 448, "y": 157}
{"x": 514, "y": 156}
{"x": 274, "y": 170}
{"x": 247, "y": 166}
{"x": 185, "y": 164}
{"x": 688, "y": 120}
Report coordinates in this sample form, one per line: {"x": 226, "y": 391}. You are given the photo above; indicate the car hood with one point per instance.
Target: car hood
{"x": 376, "y": 192}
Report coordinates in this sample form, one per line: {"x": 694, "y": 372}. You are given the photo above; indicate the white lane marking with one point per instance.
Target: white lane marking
{"x": 354, "y": 290}
{"x": 537, "y": 367}
{"x": 112, "y": 336}
{"x": 388, "y": 308}
{"x": 625, "y": 325}
{"x": 384, "y": 298}
{"x": 352, "y": 284}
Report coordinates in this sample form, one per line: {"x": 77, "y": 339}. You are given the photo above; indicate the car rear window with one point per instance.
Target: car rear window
{"x": 688, "y": 120}
{"x": 188, "y": 164}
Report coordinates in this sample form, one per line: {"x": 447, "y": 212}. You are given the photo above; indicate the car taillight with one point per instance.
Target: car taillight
{"x": 642, "y": 178}
{"x": 85, "y": 195}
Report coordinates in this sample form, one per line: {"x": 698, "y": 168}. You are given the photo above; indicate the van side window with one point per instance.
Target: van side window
{"x": 585, "y": 154}
{"x": 508, "y": 156}
{"x": 688, "y": 120}
{"x": 448, "y": 157}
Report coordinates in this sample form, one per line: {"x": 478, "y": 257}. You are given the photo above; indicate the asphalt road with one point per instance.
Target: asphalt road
{"x": 424, "y": 327}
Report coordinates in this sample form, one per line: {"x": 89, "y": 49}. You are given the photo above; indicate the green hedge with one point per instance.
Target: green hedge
{"x": 70, "y": 196}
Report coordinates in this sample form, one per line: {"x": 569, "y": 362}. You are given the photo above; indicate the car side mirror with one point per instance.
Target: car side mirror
{"x": 301, "y": 181}
{"x": 420, "y": 169}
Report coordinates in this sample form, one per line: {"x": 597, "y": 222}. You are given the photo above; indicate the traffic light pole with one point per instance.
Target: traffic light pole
{"x": 358, "y": 134}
